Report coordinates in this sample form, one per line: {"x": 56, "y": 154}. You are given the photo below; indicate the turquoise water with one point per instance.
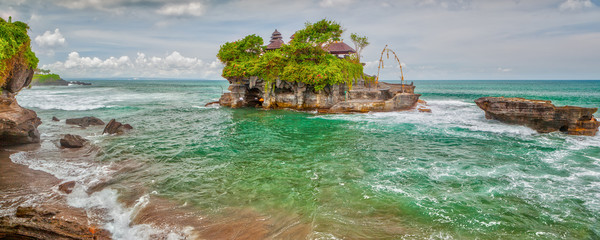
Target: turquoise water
{"x": 450, "y": 174}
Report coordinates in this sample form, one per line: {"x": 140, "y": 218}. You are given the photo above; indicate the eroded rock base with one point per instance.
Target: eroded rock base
{"x": 363, "y": 97}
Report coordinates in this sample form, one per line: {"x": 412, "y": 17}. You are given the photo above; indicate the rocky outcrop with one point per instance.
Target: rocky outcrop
{"x": 55, "y": 119}
{"x": 38, "y": 223}
{"x": 79, "y": 83}
{"x": 85, "y": 121}
{"x": 540, "y": 115}
{"x": 114, "y": 127}
{"x": 17, "y": 125}
{"x": 361, "y": 97}
{"x": 72, "y": 141}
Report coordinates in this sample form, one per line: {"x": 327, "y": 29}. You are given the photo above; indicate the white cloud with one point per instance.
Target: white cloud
{"x": 571, "y": 5}
{"x": 193, "y": 9}
{"x": 500, "y": 69}
{"x": 93, "y": 4}
{"x": 335, "y": 3}
{"x": 51, "y": 39}
{"x": 173, "y": 65}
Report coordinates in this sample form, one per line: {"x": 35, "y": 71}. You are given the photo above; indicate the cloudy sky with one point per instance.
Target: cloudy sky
{"x": 435, "y": 39}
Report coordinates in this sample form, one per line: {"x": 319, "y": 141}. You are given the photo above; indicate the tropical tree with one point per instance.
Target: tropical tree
{"x": 360, "y": 42}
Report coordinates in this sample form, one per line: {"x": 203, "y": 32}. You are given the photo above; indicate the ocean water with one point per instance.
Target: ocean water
{"x": 187, "y": 170}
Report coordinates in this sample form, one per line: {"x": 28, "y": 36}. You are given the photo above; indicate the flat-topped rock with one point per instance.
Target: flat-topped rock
{"x": 540, "y": 115}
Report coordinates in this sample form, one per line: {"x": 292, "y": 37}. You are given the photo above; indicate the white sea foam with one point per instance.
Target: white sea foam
{"x": 80, "y": 99}
{"x": 116, "y": 218}
{"x": 445, "y": 114}
{"x": 102, "y": 205}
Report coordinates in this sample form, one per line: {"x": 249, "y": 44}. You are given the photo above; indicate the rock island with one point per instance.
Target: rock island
{"x": 315, "y": 70}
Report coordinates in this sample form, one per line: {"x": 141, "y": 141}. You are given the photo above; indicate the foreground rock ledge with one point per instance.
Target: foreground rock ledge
{"x": 384, "y": 97}
{"x": 39, "y": 223}
{"x": 540, "y": 115}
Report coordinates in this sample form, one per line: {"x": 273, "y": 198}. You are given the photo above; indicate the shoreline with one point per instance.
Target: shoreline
{"x": 47, "y": 213}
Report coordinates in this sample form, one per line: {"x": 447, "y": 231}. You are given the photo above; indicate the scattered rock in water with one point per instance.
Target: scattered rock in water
{"x": 424, "y": 109}
{"x": 55, "y": 119}
{"x": 85, "y": 121}
{"x": 422, "y": 102}
{"x": 540, "y": 115}
{"x": 72, "y": 141}
{"x": 114, "y": 127}
{"x": 43, "y": 223}
{"x": 78, "y": 83}
{"x": 67, "y": 187}
{"x": 211, "y": 103}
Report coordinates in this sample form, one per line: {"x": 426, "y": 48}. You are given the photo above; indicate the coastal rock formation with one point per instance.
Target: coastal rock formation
{"x": 540, "y": 115}
{"x": 17, "y": 125}
{"x": 55, "y": 119}
{"x": 85, "y": 121}
{"x": 38, "y": 223}
{"x": 332, "y": 99}
{"x": 72, "y": 141}
{"x": 114, "y": 127}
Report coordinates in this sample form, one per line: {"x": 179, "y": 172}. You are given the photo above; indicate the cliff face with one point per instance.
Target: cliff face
{"x": 17, "y": 125}
{"x": 542, "y": 116}
{"x": 332, "y": 99}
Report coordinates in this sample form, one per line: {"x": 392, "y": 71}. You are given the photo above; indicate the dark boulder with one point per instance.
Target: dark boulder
{"x": 85, "y": 121}
{"x": 55, "y": 119}
{"x": 72, "y": 141}
{"x": 540, "y": 115}
{"x": 114, "y": 127}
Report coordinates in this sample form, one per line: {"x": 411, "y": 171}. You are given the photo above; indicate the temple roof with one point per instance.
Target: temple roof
{"x": 276, "y": 40}
{"x": 338, "y": 48}
{"x": 275, "y": 44}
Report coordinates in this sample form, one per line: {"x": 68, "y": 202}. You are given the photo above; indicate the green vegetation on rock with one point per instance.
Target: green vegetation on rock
{"x": 14, "y": 48}
{"x": 43, "y": 78}
{"x": 301, "y": 60}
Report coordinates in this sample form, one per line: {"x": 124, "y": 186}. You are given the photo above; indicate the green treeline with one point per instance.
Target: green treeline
{"x": 301, "y": 60}
{"x": 14, "y": 48}
{"x": 42, "y": 78}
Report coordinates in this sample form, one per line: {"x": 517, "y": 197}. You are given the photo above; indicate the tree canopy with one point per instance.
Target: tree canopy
{"x": 301, "y": 60}
{"x": 14, "y": 47}
{"x": 360, "y": 42}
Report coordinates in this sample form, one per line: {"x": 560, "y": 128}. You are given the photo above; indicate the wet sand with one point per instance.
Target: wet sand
{"x": 21, "y": 186}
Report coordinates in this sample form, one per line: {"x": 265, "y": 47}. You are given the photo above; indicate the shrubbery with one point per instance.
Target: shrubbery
{"x": 14, "y": 48}
{"x": 301, "y": 60}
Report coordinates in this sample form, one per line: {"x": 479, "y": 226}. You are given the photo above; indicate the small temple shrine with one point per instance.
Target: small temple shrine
{"x": 335, "y": 48}
{"x": 276, "y": 41}
{"x": 339, "y": 48}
